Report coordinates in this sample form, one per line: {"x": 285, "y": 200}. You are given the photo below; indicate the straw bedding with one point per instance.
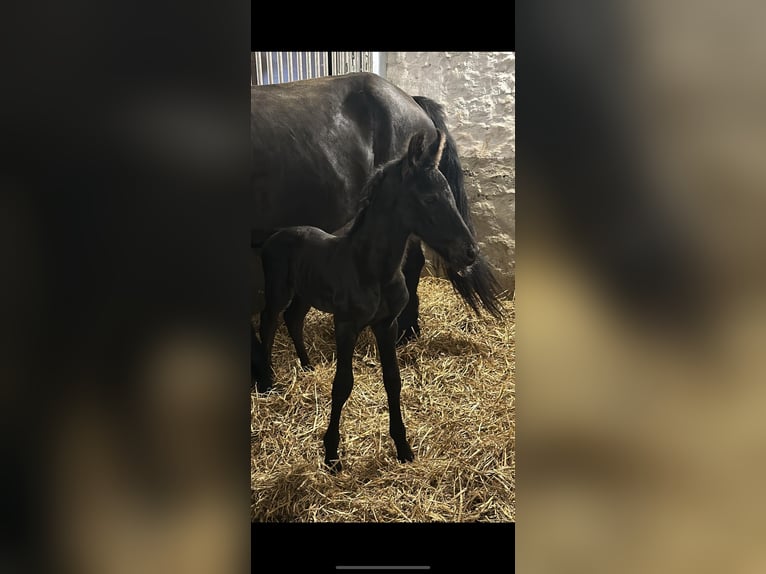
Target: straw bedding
{"x": 458, "y": 403}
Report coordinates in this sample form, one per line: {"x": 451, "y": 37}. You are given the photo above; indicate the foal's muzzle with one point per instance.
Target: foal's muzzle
{"x": 463, "y": 258}
{"x": 470, "y": 254}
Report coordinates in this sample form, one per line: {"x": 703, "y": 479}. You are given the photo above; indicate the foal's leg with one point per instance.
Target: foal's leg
{"x": 277, "y": 297}
{"x": 294, "y": 316}
{"x": 258, "y": 371}
{"x": 268, "y": 329}
{"x": 346, "y": 335}
{"x": 408, "y": 319}
{"x": 385, "y": 331}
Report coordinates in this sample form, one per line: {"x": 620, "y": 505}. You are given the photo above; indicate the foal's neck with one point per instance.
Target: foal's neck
{"x": 379, "y": 241}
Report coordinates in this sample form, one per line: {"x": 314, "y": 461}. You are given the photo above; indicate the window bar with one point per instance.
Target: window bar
{"x": 300, "y": 65}
{"x": 269, "y": 68}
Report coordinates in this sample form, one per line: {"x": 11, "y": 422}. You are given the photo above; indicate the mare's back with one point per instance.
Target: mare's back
{"x": 315, "y": 143}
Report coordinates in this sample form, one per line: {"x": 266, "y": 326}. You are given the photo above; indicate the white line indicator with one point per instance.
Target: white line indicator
{"x": 382, "y": 567}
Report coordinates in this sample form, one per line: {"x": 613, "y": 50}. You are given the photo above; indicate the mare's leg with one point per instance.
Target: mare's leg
{"x": 408, "y": 319}
{"x": 346, "y": 334}
{"x": 385, "y": 331}
{"x": 294, "y": 316}
{"x": 277, "y": 297}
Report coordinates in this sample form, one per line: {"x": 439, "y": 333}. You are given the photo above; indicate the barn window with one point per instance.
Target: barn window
{"x": 279, "y": 67}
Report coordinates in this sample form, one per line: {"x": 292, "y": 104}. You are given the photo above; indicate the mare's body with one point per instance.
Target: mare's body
{"x": 314, "y": 145}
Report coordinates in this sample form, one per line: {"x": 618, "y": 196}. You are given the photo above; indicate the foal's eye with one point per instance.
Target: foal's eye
{"x": 429, "y": 199}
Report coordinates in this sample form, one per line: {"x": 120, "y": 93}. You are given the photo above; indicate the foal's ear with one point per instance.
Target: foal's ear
{"x": 434, "y": 154}
{"x": 419, "y": 156}
{"x": 416, "y": 149}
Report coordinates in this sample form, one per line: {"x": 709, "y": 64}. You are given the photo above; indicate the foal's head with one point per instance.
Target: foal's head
{"x": 428, "y": 206}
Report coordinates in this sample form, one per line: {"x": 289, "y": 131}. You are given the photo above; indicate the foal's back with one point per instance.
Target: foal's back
{"x": 296, "y": 240}
{"x": 307, "y": 261}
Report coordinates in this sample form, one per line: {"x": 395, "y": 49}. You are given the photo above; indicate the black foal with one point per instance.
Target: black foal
{"x": 357, "y": 276}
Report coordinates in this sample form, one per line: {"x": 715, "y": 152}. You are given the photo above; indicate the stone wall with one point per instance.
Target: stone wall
{"x": 477, "y": 90}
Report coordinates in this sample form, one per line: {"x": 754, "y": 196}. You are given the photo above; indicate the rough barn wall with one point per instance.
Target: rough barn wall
{"x": 477, "y": 90}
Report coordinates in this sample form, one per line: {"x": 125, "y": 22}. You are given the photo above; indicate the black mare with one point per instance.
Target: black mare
{"x": 314, "y": 145}
{"x": 357, "y": 276}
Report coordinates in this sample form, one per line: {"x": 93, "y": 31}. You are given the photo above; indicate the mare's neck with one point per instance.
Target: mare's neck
{"x": 380, "y": 240}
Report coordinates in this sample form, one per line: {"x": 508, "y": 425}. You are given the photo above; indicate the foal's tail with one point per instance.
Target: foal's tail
{"x": 259, "y": 236}
{"x": 479, "y": 286}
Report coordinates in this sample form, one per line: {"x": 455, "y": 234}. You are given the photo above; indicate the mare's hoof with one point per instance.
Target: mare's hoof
{"x": 333, "y": 466}
{"x": 307, "y": 367}
{"x": 405, "y": 454}
{"x": 407, "y": 334}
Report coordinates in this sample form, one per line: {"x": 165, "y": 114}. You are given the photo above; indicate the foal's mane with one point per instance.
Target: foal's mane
{"x": 369, "y": 191}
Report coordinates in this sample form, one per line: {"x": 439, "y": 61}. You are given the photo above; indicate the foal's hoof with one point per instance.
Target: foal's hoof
{"x": 405, "y": 454}
{"x": 261, "y": 386}
{"x": 333, "y": 466}
{"x": 307, "y": 367}
{"x": 407, "y": 334}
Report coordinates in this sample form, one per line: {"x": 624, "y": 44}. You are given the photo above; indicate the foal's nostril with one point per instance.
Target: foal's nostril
{"x": 471, "y": 254}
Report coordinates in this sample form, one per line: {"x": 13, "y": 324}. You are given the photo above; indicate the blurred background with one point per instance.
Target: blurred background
{"x": 124, "y": 301}
{"x": 641, "y": 301}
